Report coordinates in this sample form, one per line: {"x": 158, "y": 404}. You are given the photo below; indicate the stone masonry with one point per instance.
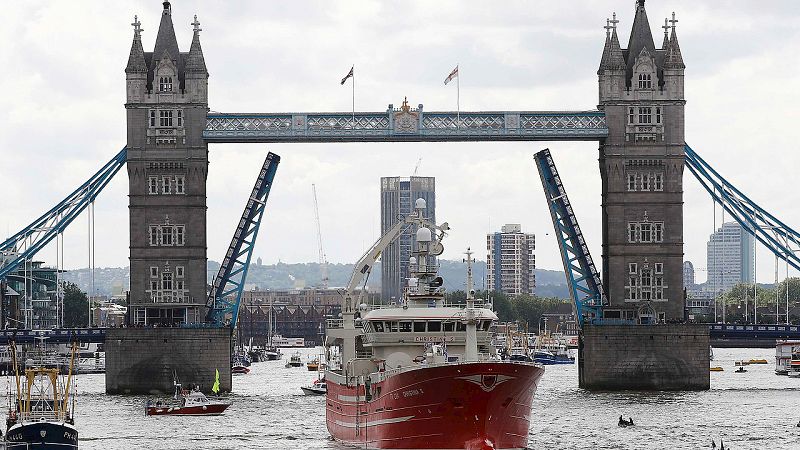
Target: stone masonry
{"x": 641, "y": 165}
{"x": 167, "y": 102}
{"x": 145, "y": 360}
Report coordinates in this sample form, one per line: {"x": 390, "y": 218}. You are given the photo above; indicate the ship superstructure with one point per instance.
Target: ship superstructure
{"x": 421, "y": 372}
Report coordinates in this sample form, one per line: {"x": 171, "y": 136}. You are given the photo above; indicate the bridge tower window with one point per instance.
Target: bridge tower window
{"x": 165, "y": 84}
{"x": 645, "y": 81}
{"x": 165, "y": 118}
{"x": 645, "y": 115}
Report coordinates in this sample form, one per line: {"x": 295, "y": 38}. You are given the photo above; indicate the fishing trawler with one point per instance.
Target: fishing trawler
{"x": 40, "y": 416}
{"x": 422, "y": 373}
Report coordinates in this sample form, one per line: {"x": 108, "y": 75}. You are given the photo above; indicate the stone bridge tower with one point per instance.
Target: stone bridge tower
{"x": 167, "y": 102}
{"x": 641, "y": 166}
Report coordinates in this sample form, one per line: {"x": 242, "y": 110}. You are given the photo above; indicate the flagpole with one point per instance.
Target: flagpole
{"x": 354, "y": 96}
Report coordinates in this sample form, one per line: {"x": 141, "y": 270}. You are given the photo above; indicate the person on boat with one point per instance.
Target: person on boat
{"x": 713, "y": 444}
{"x": 630, "y": 420}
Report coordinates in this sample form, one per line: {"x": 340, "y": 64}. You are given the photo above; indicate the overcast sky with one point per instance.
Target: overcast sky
{"x": 62, "y": 93}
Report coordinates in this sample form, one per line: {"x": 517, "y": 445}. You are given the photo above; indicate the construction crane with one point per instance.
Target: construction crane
{"x": 323, "y": 261}
{"x": 226, "y": 292}
{"x": 583, "y": 280}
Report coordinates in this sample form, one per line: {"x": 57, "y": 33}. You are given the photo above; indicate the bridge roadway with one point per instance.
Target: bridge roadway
{"x": 718, "y": 332}
{"x": 406, "y": 124}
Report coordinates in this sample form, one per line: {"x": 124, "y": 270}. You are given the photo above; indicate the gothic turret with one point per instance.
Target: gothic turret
{"x": 136, "y": 70}
{"x": 196, "y": 73}
{"x": 612, "y": 64}
{"x": 165, "y": 40}
{"x": 673, "y": 65}
{"x": 641, "y": 40}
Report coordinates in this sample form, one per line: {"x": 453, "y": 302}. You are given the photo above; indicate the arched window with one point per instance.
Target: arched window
{"x": 165, "y": 84}
{"x": 645, "y": 81}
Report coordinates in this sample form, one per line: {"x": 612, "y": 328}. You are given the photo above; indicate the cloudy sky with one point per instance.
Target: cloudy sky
{"x": 62, "y": 94}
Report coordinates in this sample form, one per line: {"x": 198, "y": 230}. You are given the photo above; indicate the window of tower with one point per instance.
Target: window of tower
{"x": 658, "y": 182}
{"x": 645, "y": 81}
{"x": 166, "y": 235}
{"x": 152, "y": 183}
{"x": 166, "y": 281}
{"x": 179, "y": 117}
{"x": 165, "y": 118}
{"x": 658, "y": 115}
{"x": 154, "y": 232}
{"x": 165, "y": 84}
{"x": 180, "y": 184}
{"x": 631, "y": 182}
{"x": 152, "y": 118}
{"x": 631, "y": 116}
{"x": 165, "y": 184}
{"x": 645, "y": 115}
{"x": 179, "y": 235}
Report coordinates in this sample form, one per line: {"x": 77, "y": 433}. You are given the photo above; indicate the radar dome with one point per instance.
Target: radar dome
{"x": 424, "y": 234}
{"x": 420, "y": 204}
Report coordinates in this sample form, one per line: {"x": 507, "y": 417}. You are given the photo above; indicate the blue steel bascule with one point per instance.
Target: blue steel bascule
{"x": 226, "y": 292}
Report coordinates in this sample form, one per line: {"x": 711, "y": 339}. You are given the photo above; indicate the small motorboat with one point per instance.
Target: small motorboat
{"x": 319, "y": 387}
{"x": 717, "y": 369}
{"x": 758, "y": 361}
{"x": 740, "y": 370}
{"x": 313, "y": 365}
{"x": 192, "y": 403}
{"x": 741, "y": 363}
{"x": 294, "y": 360}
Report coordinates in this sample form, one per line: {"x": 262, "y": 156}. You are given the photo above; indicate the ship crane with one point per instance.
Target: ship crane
{"x": 323, "y": 261}
{"x": 350, "y": 301}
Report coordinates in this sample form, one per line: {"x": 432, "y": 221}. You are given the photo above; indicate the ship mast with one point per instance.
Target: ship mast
{"x": 471, "y": 345}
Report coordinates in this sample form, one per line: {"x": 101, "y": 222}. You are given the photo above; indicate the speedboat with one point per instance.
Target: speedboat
{"x": 319, "y": 387}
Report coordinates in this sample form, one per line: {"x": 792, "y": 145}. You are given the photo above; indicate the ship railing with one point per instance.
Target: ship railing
{"x": 38, "y": 416}
{"x": 334, "y": 323}
{"x": 478, "y": 303}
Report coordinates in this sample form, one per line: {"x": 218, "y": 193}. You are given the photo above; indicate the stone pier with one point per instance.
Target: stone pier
{"x": 144, "y": 360}
{"x": 644, "y": 357}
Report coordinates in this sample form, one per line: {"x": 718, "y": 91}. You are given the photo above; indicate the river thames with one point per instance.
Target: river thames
{"x": 753, "y": 410}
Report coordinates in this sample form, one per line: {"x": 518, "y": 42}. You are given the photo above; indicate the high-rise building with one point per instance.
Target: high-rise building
{"x": 511, "y": 261}
{"x": 398, "y": 196}
{"x": 730, "y": 257}
{"x": 167, "y": 103}
{"x": 688, "y": 274}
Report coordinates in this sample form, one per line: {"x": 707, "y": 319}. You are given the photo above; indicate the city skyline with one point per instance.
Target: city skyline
{"x": 480, "y": 185}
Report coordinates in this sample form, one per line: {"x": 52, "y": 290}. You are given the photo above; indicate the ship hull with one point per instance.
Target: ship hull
{"x": 473, "y": 406}
{"x": 42, "y": 436}
{"x": 211, "y": 409}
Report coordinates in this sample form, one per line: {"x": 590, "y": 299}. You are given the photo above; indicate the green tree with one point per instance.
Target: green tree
{"x": 502, "y": 305}
{"x": 76, "y": 306}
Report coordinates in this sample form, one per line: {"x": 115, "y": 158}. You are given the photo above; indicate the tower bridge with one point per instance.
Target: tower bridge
{"x": 638, "y": 124}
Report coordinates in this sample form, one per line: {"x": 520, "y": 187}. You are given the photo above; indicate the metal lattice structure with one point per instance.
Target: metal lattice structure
{"x": 779, "y": 238}
{"x": 27, "y": 242}
{"x": 406, "y": 125}
{"x": 583, "y": 279}
{"x": 226, "y": 293}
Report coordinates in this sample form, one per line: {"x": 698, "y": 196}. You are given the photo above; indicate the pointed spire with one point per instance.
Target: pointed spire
{"x": 641, "y": 36}
{"x": 606, "y": 58}
{"x": 674, "y": 59}
{"x": 617, "y": 60}
{"x": 166, "y": 41}
{"x": 196, "y": 62}
{"x": 666, "y": 28}
{"x": 136, "y": 62}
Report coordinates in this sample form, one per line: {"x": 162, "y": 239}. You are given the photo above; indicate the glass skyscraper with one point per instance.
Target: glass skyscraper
{"x": 397, "y": 201}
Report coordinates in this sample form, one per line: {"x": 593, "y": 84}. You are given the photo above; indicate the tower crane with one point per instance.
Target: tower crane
{"x": 323, "y": 261}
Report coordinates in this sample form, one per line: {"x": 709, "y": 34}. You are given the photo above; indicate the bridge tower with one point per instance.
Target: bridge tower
{"x": 641, "y": 164}
{"x": 167, "y": 102}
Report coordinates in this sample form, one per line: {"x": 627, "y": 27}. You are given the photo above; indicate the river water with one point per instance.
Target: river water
{"x": 754, "y": 410}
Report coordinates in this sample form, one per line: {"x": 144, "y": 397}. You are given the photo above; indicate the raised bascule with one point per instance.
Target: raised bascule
{"x": 638, "y": 123}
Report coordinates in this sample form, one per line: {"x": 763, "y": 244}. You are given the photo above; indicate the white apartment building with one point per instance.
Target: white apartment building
{"x": 511, "y": 261}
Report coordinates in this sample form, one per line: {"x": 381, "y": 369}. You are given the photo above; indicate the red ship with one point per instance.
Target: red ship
{"x": 421, "y": 373}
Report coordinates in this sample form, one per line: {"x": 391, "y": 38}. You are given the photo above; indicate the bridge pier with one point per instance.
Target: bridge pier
{"x": 145, "y": 360}
{"x": 644, "y": 357}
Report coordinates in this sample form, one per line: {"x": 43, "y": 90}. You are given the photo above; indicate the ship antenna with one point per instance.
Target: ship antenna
{"x": 470, "y": 285}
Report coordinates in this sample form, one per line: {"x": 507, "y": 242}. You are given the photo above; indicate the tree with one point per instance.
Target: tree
{"x": 76, "y": 306}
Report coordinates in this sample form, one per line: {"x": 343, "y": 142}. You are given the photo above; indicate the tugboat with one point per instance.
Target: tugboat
{"x": 294, "y": 360}
{"x": 40, "y": 416}
{"x": 422, "y": 373}
{"x": 239, "y": 365}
